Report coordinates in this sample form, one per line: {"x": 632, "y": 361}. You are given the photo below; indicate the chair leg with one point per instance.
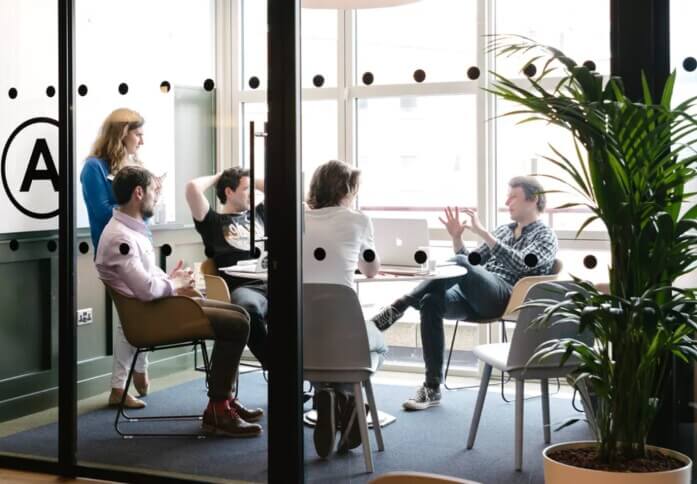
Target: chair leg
{"x": 363, "y": 426}
{"x": 519, "y": 397}
{"x": 544, "y": 387}
{"x": 486, "y": 375}
{"x": 120, "y": 412}
{"x": 374, "y": 414}
{"x": 206, "y": 360}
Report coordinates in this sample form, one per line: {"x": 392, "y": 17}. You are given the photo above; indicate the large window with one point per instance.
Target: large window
{"x": 581, "y": 31}
{"x": 400, "y": 93}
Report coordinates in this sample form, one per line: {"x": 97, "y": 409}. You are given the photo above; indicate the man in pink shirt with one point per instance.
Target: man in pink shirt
{"x": 126, "y": 262}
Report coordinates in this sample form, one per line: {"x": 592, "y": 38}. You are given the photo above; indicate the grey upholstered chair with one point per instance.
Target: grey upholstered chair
{"x": 336, "y": 350}
{"x": 513, "y": 358}
{"x": 509, "y": 315}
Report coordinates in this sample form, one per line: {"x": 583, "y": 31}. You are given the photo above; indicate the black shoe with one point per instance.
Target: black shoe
{"x": 352, "y": 434}
{"x": 325, "y": 427}
{"x": 387, "y": 317}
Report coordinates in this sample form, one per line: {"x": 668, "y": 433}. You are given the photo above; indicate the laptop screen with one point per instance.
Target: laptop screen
{"x": 398, "y": 239}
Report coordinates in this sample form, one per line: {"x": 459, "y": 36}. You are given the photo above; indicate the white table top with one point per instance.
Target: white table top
{"x": 442, "y": 272}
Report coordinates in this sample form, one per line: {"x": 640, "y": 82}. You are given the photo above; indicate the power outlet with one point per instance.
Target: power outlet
{"x": 84, "y": 316}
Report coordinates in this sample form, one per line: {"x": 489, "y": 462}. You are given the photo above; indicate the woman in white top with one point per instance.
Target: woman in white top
{"x": 338, "y": 239}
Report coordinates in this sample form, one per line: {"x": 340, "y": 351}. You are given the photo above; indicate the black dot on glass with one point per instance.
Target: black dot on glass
{"x": 12, "y": 93}
{"x": 209, "y": 252}
{"x": 14, "y": 245}
{"x": 257, "y": 252}
{"x": 254, "y": 82}
{"x": 50, "y": 91}
{"x": 166, "y": 250}
{"x": 419, "y": 75}
{"x": 530, "y": 260}
{"x": 420, "y": 256}
{"x": 530, "y": 70}
{"x": 474, "y": 258}
{"x": 318, "y": 80}
{"x": 589, "y": 261}
{"x": 319, "y": 253}
{"x": 84, "y": 247}
{"x": 124, "y": 249}
{"x": 368, "y": 255}
{"x": 368, "y": 78}
{"x": 165, "y": 87}
{"x": 123, "y": 88}
{"x": 51, "y": 245}
{"x": 590, "y": 65}
{"x": 82, "y": 90}
{"x": 473, "y": 73}
{"x": 689, "y": 64}
{"x": 208, "y": 85}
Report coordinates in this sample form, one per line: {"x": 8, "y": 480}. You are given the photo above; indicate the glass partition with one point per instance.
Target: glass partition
{"x": 28, "y": 231}
{"x": 149, "y": 70}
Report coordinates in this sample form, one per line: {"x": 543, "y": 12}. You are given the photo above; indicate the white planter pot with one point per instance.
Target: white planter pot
{"x": 558, "y": 473}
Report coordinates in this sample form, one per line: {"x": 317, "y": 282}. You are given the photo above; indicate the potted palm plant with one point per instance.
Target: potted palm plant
{"x": 631, "y": 166}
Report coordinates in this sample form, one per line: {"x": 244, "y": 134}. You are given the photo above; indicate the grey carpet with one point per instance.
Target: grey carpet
{"x": 427, "y": 441}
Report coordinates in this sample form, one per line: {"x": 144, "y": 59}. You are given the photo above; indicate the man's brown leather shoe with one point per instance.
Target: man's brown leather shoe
{"x": 131, "y": 402}
{"x": 141, "y": 382}
{"x": 228, "y": 424}
{"x": 247, "y": 414}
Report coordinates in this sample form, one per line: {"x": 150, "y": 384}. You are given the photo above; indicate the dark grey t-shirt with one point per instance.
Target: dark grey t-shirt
{"x": 226, "y": 238}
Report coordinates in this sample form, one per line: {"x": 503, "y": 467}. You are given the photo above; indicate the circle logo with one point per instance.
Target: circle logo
{"x": 29, "y": 170}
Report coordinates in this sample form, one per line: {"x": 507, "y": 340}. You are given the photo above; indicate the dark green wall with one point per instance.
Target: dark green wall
{"x": 29, "y": 325}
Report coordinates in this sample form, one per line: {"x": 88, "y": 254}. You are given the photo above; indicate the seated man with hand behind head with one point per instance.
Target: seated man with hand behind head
{"x": 226, "y": 235}
{"x": 126, "y": 262}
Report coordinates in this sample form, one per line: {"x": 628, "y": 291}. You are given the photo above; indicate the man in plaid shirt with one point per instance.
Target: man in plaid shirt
{"x": 525, "y": 247}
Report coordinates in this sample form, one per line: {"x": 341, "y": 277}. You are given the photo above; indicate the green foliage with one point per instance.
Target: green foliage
{"x": 632, "y": 163}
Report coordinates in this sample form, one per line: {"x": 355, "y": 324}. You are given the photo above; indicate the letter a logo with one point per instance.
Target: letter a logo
{"x": 33, "y": 173}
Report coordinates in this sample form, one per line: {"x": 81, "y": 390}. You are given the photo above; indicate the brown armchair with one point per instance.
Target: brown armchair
{"x": 150, "y": 326}
{"x": 216, "y": 287}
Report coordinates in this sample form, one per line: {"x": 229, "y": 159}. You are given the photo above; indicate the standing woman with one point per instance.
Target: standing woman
{"x": 116, "y": 146}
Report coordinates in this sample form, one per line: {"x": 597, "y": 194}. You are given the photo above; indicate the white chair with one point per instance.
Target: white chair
{"x": 509, "y": 315}
{"x": 513, "y": 357}
{"x": 336, "y": 350}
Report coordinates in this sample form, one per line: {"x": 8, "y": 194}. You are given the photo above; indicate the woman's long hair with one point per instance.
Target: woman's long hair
{"x": 109, "y": 143}
{"x": 330, "y": 183}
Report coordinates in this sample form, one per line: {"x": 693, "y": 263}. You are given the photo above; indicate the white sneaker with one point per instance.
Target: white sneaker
{"x": 425, "y": 397}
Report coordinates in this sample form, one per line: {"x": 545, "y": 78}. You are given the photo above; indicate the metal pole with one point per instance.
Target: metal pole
{"x": 67, "y": 260}
{"x": 283, "y": 222}
{"x": 252, "y": 194}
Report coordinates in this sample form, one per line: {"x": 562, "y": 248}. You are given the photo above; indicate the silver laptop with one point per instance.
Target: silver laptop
{"x": 397, "y": 240}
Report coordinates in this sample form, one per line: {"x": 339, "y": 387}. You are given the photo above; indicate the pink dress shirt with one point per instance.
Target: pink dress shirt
{"x": 133, "y": 273}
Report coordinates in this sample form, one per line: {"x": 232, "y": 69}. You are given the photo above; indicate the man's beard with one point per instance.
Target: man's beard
{"x": 147, "y": 213}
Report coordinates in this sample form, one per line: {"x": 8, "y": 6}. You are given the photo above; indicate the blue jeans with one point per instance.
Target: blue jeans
{"x": 477, "y": 295}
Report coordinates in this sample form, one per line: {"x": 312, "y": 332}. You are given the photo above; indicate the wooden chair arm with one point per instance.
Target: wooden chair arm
{"x": 216, "y": 288}
{"x": 520, "y": 290}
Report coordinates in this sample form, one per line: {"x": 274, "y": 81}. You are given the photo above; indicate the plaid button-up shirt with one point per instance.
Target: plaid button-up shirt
{"x": 531, "y": 254}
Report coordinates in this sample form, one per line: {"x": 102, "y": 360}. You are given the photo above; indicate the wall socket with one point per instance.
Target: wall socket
{"x": 84, "y": 316}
